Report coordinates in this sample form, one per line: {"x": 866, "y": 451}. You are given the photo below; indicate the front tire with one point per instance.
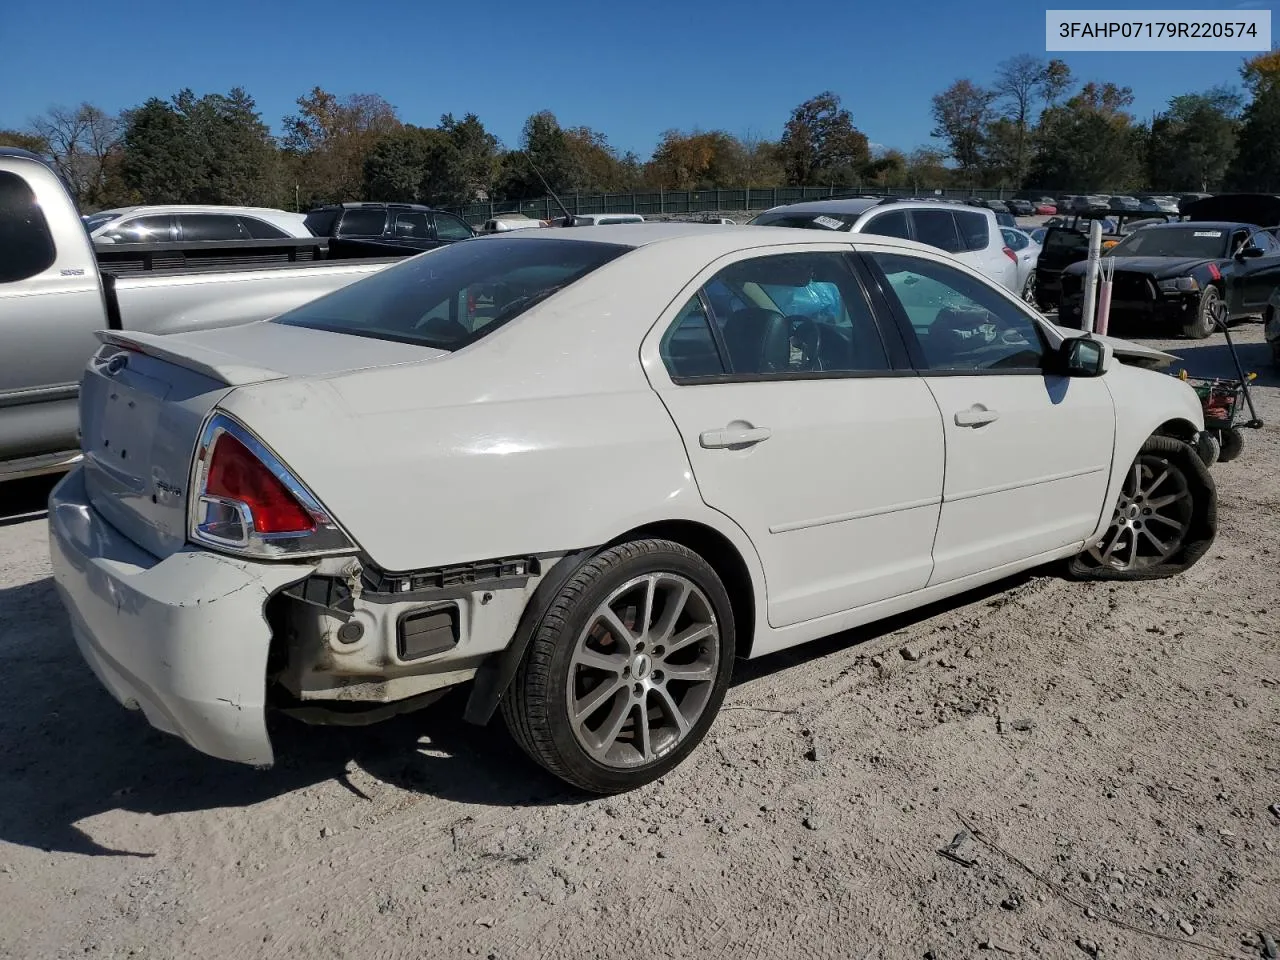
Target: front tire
{"x": 627, "y": 670}
{"x": 1210, "y": 313}
{"x": 1163, "y": 522}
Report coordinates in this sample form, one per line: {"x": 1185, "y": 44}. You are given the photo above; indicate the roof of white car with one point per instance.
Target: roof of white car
{"x": 196, "y": 208}
{"x": 715, "y": 237}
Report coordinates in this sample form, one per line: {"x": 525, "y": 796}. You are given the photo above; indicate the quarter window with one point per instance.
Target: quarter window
{"x": 961, "y": 324}
{"x": 411, "y": 226}
{"x": 795, "y": 314}
{"x": 261, "y": 230}
{"x": 26, "y": 245}
{"x": 689, "y": 347}
{"x": 975, "y": 230}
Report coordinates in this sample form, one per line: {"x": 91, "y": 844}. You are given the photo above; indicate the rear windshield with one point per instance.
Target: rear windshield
{"x": 1207, "y": 242}
{"x": 457, "y": 294}
{"x": 807, "y": 221}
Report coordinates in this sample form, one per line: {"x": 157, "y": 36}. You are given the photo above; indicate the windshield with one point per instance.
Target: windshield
{"x": 806, "y": 221}
{"x": 1205, "y": 242}
{"x": 457, "y": 294}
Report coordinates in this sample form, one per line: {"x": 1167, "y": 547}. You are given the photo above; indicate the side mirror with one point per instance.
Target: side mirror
{"x": 1249, "y": 252}
{"x": 1084, "y": 357}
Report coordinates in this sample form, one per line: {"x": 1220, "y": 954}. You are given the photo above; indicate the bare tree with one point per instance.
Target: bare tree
{"x": 1019, "y": 83}
{"x": 80, "y": 141}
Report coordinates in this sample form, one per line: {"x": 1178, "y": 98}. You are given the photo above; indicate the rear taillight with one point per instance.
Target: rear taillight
{"x": 1010, "y": 254}
{"x": 244, "y": 500}
{"x": 236, "y": 474}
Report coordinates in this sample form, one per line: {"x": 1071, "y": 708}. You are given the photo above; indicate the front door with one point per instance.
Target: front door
{"x": 801, "y": 429}
{"x": 1028, "y": 454}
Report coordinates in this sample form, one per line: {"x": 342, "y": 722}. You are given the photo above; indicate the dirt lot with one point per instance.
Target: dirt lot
{"x": 1124, "y": 809}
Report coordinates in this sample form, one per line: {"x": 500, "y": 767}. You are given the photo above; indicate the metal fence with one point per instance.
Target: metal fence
{"x": 651, "y": 203}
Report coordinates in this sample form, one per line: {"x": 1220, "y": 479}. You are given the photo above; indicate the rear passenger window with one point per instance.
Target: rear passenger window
{"x": 689, "y": 348}
{"x": 975, "y": 230}
{"x": 892, "y": 224}
{"x": 26, "y": 246}
{"x": 211, "y": 226}
{"x": 409, "y": 226}
{"x": 362, "y": 223}
{"x": 796, "y": 313}
{"x": 140, "y": 230}
{"x": 937, "y": 228}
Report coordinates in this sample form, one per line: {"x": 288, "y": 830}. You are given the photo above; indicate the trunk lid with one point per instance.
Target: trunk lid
{"x": 144, "y": 399}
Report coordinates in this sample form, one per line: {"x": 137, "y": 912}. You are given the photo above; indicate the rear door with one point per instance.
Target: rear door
{"x": 449, "y": 228}
{"x": 362, "y": 222}
{"x": 805, "y": 426}
{"x": 1028, "y": 453}
{"x": 1259, "y": 282}
{"x": 196, "y": 227}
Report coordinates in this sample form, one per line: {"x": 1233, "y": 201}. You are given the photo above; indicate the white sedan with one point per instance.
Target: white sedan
{"x": 586, "y": 470}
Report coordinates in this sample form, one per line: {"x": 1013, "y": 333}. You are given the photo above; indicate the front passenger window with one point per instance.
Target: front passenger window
{"x": 961, "y": 323}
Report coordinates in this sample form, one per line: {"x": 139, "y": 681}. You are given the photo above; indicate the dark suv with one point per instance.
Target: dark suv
{"x": 402, "y": 224}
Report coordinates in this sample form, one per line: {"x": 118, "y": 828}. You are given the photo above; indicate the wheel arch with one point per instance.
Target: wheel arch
{"x": 724, "y": 558}
{"x": 1177, "y": 428}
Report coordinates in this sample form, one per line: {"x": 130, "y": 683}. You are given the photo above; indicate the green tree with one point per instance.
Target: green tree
{"x": 821, "y": 146}
{"x": 24, "y": 140}
{"x": 328, "y": 139}
{"x": 1089, "y": 142}
{"x": 596, "y": 165}
{"x": 1192, "y": 143}
{"x": 209, "y": 149}
{"x": 927, "y": 169}
{"x": 961, "y": 115}
{"x": 479, "y": 149}
{"x": 417, "y": 165}
{"x": 1256, "y": 166}
{"x": 696, "y": 161}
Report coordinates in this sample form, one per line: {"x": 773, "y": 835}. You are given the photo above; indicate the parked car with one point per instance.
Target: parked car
{"x": 506, "y": 222}
{"x": 999, "y": 206}
{"x": 1125, "y": 203}
{"x": 1158, "y": 205}
{"x": 383, "y": 224}
{"x": 1197, "y": 276}
{"x": 1020, "y": 208}
{"x": 191, "y": 223}
{"x": 380, "y": 495}
{"x": 604, "y": 219}
{"x": 1027, "y": 251}
{"x": 57, "y": 287}
{"x": 1037, "y": 235}
{"x": 970, "y": 234}
{"x": 1045, "y": 208}
{"x": 1187, "y": 199}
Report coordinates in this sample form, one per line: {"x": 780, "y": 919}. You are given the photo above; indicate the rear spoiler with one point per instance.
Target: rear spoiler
{"x": 232, "y": 371}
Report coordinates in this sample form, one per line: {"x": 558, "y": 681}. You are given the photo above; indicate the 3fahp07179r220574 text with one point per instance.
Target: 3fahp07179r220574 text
{"x": 1159, "y": 28}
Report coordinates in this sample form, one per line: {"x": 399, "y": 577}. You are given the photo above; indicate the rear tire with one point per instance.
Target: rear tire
{"x": 1210, "y": 312}
{"x": 1164, "y": 521}
{"x": 627, "y": 670}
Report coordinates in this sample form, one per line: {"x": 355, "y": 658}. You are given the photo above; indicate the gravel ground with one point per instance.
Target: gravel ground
{"x": 1112, "y": 750}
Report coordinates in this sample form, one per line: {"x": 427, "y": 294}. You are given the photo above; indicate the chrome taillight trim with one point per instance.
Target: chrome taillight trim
{"x": 327, "y": 538}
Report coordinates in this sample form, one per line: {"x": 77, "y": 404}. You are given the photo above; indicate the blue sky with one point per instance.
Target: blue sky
{"x": 629, "y": 70}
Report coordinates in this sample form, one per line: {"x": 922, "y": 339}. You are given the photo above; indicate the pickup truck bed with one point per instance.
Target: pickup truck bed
{"x": 57, "y": 290}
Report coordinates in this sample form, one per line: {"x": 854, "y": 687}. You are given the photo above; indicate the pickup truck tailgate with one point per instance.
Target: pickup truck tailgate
{"x": 144, "y": 399}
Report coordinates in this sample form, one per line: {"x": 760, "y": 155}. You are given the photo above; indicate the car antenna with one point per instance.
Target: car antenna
{"x": 568, "y": 217}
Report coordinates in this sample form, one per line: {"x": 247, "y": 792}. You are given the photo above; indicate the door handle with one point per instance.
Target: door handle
{"x": 733, "y": 436}
{"x": 976, "y": 416}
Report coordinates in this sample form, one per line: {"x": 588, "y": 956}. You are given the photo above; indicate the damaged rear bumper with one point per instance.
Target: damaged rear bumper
{"x": 184, "y": 639}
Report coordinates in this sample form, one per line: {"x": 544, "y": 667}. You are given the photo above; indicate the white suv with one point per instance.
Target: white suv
{"x": 970, "y": 234}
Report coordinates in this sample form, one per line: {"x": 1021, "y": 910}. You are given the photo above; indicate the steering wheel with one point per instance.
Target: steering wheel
{"x": 805, "y": 333}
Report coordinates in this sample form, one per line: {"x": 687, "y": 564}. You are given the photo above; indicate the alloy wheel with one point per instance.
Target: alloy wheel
{"x": 1151, "y": 518}
{"x": 643, "y": 670}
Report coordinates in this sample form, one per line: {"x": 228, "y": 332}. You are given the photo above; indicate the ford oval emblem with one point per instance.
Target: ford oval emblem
{"x": 116, "y": 364}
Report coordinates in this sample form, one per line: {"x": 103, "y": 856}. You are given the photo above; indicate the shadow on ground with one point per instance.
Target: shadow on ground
{"x": 23, "y": 500}
{"x": 69, "y": 752}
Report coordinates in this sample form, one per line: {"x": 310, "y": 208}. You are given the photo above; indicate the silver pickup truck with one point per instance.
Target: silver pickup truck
{"x": 56, "y": 290}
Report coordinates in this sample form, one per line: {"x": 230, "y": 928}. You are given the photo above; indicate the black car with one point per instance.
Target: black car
{"x": 1021, "y": 208}
{"x": 391, "y": 224}
{"x": 1197, "y": 274}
